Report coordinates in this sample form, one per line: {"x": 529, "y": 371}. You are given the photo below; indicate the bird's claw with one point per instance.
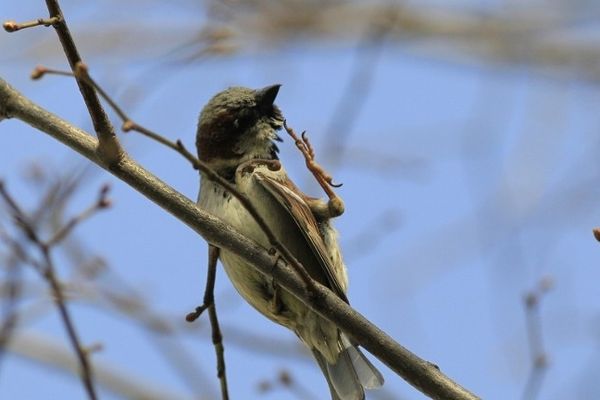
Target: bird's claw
{"x": 323, "y": 178}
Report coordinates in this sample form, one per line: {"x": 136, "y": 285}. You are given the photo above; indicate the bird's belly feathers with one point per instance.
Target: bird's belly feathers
{"x": 262, "y": 292}
{"x": 252, "y": 285}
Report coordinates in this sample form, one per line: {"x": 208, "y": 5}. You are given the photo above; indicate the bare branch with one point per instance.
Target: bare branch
{"x": 82, "y": 354}
{"x": 13, "y": 285}
{"x": 217, "y": 337}
{"x": 539, "y": 357}
{"x": 128, "y": 124}
{"x": 108, "y": 148}
{"x": 209, "y": 303}
{"x": 66, "y": 229}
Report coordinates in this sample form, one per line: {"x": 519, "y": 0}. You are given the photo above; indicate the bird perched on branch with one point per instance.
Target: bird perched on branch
{"x": 236, "y": 137}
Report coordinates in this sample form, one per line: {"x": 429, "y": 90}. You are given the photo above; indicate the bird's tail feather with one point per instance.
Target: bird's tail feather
{"x": 323, "y": 364}
{"x": 368, "y": 376}
{"x": 351, "y": 373}
{"x": 344, "y": 378}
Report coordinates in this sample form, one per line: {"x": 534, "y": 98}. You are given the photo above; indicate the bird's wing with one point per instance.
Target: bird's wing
{"x": 288, "y": 195}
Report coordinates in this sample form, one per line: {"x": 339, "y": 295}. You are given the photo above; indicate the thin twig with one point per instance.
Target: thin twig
{"x": 18, "y": 251}
{"x": 209, "y": 304}
{"x": 39, "y": 72}
{"x": 82, "y": 355}
{"x": 209, "y": 298}
{"x": 66, "y": 229}
{"x": 217, "y": 336}
{"x": 539, "y": 357}
{"x": 109, "y": 147}
{"x": 14, "y": 285}
{"x": 21, "y": 220}
{"x": 128, "y": 124}
{"x": 12, "y": 26}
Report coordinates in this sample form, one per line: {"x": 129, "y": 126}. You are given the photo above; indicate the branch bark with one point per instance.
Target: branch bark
{"x": 422, "y": 374}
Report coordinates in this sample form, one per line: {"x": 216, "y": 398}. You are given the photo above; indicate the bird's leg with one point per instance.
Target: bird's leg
{"x": 335, "y": 206}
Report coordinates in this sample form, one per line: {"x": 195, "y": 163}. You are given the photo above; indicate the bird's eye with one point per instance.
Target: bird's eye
{"x": 243, "y": 118}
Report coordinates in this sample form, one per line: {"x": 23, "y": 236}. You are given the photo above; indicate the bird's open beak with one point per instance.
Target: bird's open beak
{"x": 266, "y": 96}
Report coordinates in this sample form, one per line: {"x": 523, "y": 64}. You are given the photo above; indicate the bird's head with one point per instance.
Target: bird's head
{"x": 239, "y": 124}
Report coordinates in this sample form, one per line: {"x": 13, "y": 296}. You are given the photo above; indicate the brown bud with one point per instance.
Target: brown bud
{"x": 38, "y": 72}
{"x": 10, "y": 26}
{"x": 128, "y": 125}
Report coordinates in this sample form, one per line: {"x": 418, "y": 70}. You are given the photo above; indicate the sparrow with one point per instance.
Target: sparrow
{"x": 236, "y": 137}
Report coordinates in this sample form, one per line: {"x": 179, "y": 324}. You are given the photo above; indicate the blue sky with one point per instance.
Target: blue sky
{"x": 489, "y": 185}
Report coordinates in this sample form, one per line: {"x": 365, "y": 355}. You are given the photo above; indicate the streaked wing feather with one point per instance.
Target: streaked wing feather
{"x": 305, "y": 220}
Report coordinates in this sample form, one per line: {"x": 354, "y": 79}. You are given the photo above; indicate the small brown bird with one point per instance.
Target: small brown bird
{"x": 236, "y": 137}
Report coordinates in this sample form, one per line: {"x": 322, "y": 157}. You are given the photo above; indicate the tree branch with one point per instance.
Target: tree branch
{"x": 217, "y": 336}
{"x": 108, "y": 146}
{"x": 423, "y": 375}
{"x": 59, "y": 299}
{"x": 209, "y": 304}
